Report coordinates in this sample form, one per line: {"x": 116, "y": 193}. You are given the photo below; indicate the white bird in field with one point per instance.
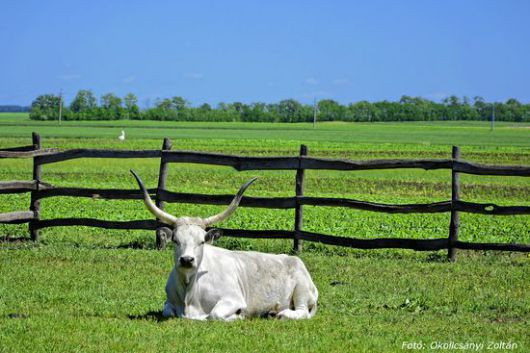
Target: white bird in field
{"x": 122, "y": 136}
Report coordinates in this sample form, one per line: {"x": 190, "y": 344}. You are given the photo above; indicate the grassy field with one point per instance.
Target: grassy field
{"x": 92, "y": 290}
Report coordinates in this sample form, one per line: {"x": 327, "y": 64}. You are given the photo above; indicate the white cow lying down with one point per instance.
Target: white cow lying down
{"x": 208, "y": 282}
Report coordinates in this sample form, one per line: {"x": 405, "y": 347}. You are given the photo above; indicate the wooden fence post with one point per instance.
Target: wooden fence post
{"x": 455, "y": 217}
{"x": 299, "y": 212}
{"x": 35, "y": 203}
{"x": 161, "y": 236}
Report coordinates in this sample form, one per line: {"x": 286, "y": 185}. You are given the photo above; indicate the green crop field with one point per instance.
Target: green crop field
{"x": 92, "y": 290}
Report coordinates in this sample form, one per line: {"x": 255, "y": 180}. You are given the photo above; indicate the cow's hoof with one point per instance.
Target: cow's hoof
{"x": 269, "y": 315}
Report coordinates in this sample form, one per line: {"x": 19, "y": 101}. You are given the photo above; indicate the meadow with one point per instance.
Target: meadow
{"x": 87, "y": 289}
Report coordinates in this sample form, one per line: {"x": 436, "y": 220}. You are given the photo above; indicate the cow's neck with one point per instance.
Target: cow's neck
{"x": 186, "y": 289}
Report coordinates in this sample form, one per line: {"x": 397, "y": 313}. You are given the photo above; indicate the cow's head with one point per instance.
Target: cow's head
{"x": 189, "y": 233}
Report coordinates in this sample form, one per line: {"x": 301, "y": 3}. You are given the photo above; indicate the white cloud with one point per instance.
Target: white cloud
{"x": 69, "y": 77}
{"x": 194, "y": 75}
{"x": 311, "y": 81}
{"x": 341, "y": 81}
{"x": 129, "y": 79}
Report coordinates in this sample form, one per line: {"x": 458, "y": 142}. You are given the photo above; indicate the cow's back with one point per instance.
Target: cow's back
{"x": 270, "y": 279}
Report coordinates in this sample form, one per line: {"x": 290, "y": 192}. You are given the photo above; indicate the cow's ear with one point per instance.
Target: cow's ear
{"x": 167, "y": 233}
{"x": 212, "y": 234}
{"x": 163, "y": 235}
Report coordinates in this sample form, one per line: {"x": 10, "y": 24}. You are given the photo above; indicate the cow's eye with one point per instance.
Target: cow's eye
{"x": 202, "y": 243}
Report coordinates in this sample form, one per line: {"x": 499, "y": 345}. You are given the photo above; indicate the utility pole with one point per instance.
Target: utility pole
{"x": 60, "y": 104}
{"x": 314, "y": 112}
{"x": 492, "y": 116}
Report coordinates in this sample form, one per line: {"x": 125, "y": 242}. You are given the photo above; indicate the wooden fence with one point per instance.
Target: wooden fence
{"x": 40, "y": 190}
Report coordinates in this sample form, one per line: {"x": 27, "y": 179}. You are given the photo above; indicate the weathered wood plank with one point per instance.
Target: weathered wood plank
{"x": 378, "y": 243}
{"x": 246, "y": 201}
{"x": 455, "y": 196}
{"x": 492, "y": 246}
{"x": 200, "y": 157}
{"x": 167, "y": 196}
{"x": 18, "y": 149}
{"x": 490, "y": 208}
{"x": 444, "y": 206}
{"x": 161, "y": 239}
{"x": 148, "y": 224}
{"x": 18, "y": 186}
{"x": 34, "y": 202}
{"x": 28, "y": 154}
{"x": 256, "y": 234}
{"x": 46, "y": 156}
{"x": 97, "y": 153}
{"x": 108, "y": 194}
{"x": 238, "y": 162}
{"x": 280, "y": 202}
{"x": 299, "y": 209}
{"x": 483, "y": 169}
{"x": 16, "y": 217}
{"x": 346, "y": 164}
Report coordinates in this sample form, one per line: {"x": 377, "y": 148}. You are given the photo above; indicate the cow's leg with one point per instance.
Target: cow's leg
{"x": 303, "y": 301}
{"x": 169, "y": 310}
{"x": 226, "y": 310}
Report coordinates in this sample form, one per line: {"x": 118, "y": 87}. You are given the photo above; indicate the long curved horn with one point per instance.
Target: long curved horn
{"x": 231, "y": 208}
{"x": 157, "y": 212}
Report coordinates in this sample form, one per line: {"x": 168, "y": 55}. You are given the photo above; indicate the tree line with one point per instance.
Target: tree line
{"x": 111, "y": 107}
{"x": 13, "y": 109}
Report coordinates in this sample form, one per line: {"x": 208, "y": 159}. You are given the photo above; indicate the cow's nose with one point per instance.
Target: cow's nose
{"x": 186, "y": 261}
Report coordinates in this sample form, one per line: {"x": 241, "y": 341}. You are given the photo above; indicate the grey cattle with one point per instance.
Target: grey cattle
{"x": 208, "y": 282}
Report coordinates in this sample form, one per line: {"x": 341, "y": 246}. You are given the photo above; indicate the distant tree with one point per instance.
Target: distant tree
{"x": 83, "y": 102}
{"x": 130, "y": 101}
{"x": 179, "y": 103}
{"x": 222, "y": 106}
{"x": 84, "y": 107}
{"x": 238, "y": 107}
{"x": 13, "y": 109}
{"x": 205, "y": 107}
{"x": 165, "y": 104}
{"x": 111, "y": 106}
{"x": 514, "y": 110}
{"x": 289, "y": 110}
{"x": 45, "y": 107}
{"x": 131, "y": 105}
{"x": 330, "y": 110}
{"x": 481, "y": 107}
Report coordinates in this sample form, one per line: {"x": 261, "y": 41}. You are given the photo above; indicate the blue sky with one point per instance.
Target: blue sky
{"x": 213, "y": 51}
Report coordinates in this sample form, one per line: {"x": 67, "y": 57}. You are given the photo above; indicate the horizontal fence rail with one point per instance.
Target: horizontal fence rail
{"x": 283, "y": 202}
{"x": 242, "y": 163}
{"x": 41, "y": 190}
{"x": 16, "y": 217}
{"x": 20, "y": 186}
{"x": 99, "y": 223}
{"x": 27, "y": 154}
{"x": 95, "y": 153}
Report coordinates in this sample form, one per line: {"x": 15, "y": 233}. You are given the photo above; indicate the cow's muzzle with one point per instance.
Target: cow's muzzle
{"x": 186, "y": 261}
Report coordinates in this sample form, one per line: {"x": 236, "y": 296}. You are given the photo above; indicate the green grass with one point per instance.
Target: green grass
{"x": 420, "y": 134}
{"x": 92, "y": 290}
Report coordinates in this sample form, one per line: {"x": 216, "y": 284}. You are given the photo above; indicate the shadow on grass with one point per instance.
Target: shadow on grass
{"x": 158, "y": 317}
{"x": 438, "y": 257}
{"x": 135, "y": 245}
{"x": 151, "y": 316}
{"x": 8, "y": 239}
{"x": 17, "y": 316}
